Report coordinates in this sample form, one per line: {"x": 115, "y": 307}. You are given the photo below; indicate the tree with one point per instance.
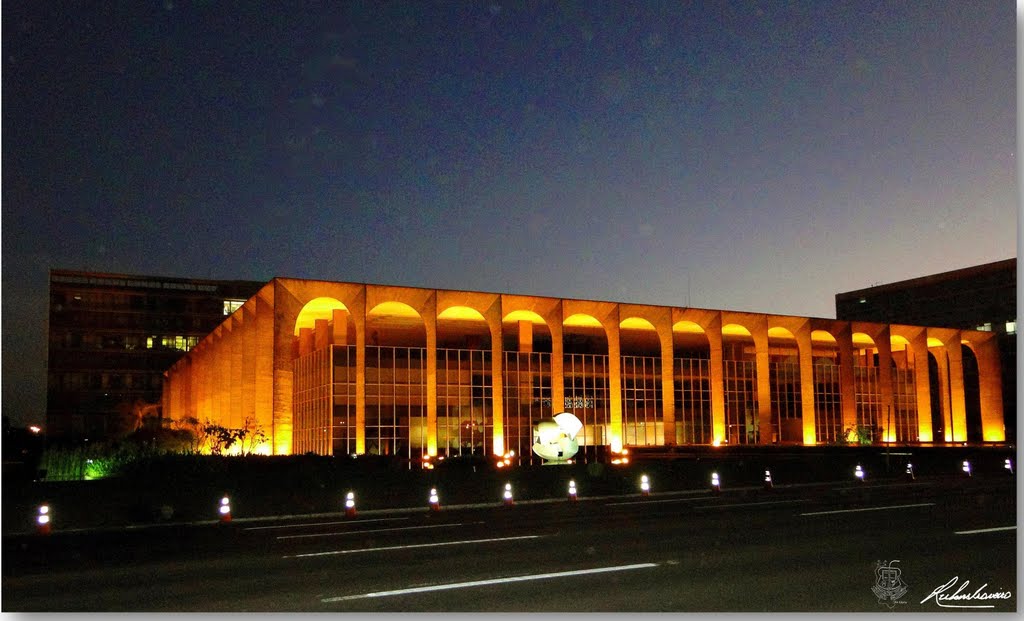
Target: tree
{"x": 252, "y": 436}
{"x": 221, "y": 438}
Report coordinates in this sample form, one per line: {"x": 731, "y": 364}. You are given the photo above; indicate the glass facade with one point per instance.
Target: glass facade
{"x": 527, "y": 382}
{"x": 312, "y": 403}
{"x": 828, "y": 412}
{"x": 464, "y": 402}
{"x": 642, "y": 408}
{"x": 586, "y": 396}
{"x": 905, "y": 405}
{"x": 741, "y": 414}
{"x": 693, "y": 401}
{"x": 786, "y": 401}
{"x": 396, "y": 401}
{"x": 343, "y": 425}
{"x": 869, "y": 401}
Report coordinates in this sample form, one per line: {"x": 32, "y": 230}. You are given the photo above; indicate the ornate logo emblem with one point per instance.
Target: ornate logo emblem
{"x": 889, "y": 586}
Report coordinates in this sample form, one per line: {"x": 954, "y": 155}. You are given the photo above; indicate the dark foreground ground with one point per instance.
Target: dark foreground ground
{"x": 186, "y": 489}
{"x": 800, "y": 547}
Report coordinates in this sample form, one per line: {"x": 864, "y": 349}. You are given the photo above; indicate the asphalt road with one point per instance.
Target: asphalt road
{"x": 803, "y": 548}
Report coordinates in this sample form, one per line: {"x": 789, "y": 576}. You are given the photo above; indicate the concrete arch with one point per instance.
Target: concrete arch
{"x": 735, "y": 329}
{"x": 639, "y": 337}
{"x": 523, "y": 315}
{"x": 690, "y": 340}
{"x": 395, "y": 324}
{"x": 589, "y": 342}
{"x": 584, "y": 334}
{"x": 462, "y": 327}
{"x": 902, "y": 352}
{"x": 778, "y": 332}
{"x": 461, "y": 313}
{"x": 861, "y": 339}
{"x": 526, "y": 331}
{"x": 317, "y": 308}
{"x": 822, "y": 336}
{"x": 582, "y": 320}
{"x": 782, "y": 344}
{"x": 825, "y": 346}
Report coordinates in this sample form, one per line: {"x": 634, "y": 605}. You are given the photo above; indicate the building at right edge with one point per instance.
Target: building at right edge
{"x": 982, "y": 297}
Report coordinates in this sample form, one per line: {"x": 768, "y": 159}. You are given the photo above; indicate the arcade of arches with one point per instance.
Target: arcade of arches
{"x": 344, "y": 368}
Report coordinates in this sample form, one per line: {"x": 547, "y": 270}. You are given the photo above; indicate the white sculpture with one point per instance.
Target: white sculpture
{"x": 555, "y": 440}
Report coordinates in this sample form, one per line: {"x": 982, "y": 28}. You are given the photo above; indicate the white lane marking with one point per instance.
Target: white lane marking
{"x": 325, "y": 523}
{"x": 878, "y": 486}
{"x": 923, "y": 504}
{"x": 476, "y": 583}
{"x": 407, "y": 547}
{"x": 984, "y": 530}
{"x": 648, "y": 502}
{"x": 754, "y": 504}
{"x": 375, "y": 530}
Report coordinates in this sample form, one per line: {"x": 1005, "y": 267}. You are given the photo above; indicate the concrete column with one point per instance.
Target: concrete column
{"x": 717, "y": 372}
{"x": 943, "y": 364}
{"x": 806, "y": 357}
{"x": 764, "y": 387}
{"x": 990, "y": 386}
{"x": 555, "y": 325}
{"x": 958, "y": 405}
{"x": 494, "y": 315}
{"x": 221, "y": 357}
{"x": 263, "y": 391}
{"x": 321, "y": 334}
{"x": 339, "y": 327}
{"x": 847, "y": 379}
{"x": 305, "y": 341}
{"x": 210, "y": 387}
{"x": 525, "y": 337}
{"x": 922, "y": 385}
{"x": 430, "y": 320}
{"x": 615, "y": 440}
{"x": 234, "y": 337}
{"x": 887, "y": 413}
{"x": 359, "y": 317}
{"x": 248, "y": 383}
{"x": 668, "y": 392}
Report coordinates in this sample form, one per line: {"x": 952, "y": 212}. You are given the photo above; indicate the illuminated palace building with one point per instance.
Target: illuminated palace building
{"x": 344, "y": 368}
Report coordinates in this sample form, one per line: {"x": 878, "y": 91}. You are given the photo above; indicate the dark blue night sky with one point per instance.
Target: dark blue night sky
{"x": 756, "y": 156}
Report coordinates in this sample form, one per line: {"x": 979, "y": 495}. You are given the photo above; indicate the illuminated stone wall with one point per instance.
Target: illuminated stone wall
{"x": 245, "y": 369}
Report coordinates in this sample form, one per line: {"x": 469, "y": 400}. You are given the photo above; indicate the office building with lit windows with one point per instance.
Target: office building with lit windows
{"x": 347, "y": 368}
{"x": 112, "y": 336}
{"x": 980, "y": 297}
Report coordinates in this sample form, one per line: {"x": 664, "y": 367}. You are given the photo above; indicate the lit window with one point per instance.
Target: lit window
{"x": 1011, "y": 327}
{"x": 149, "y": 342}
{"x": 231, "y": 306}
{"x": 862, "y": 300}
{"x": 987, "y": 327}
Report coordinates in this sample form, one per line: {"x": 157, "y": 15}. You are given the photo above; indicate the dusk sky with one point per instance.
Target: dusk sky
{"x": 758, "y": 156}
